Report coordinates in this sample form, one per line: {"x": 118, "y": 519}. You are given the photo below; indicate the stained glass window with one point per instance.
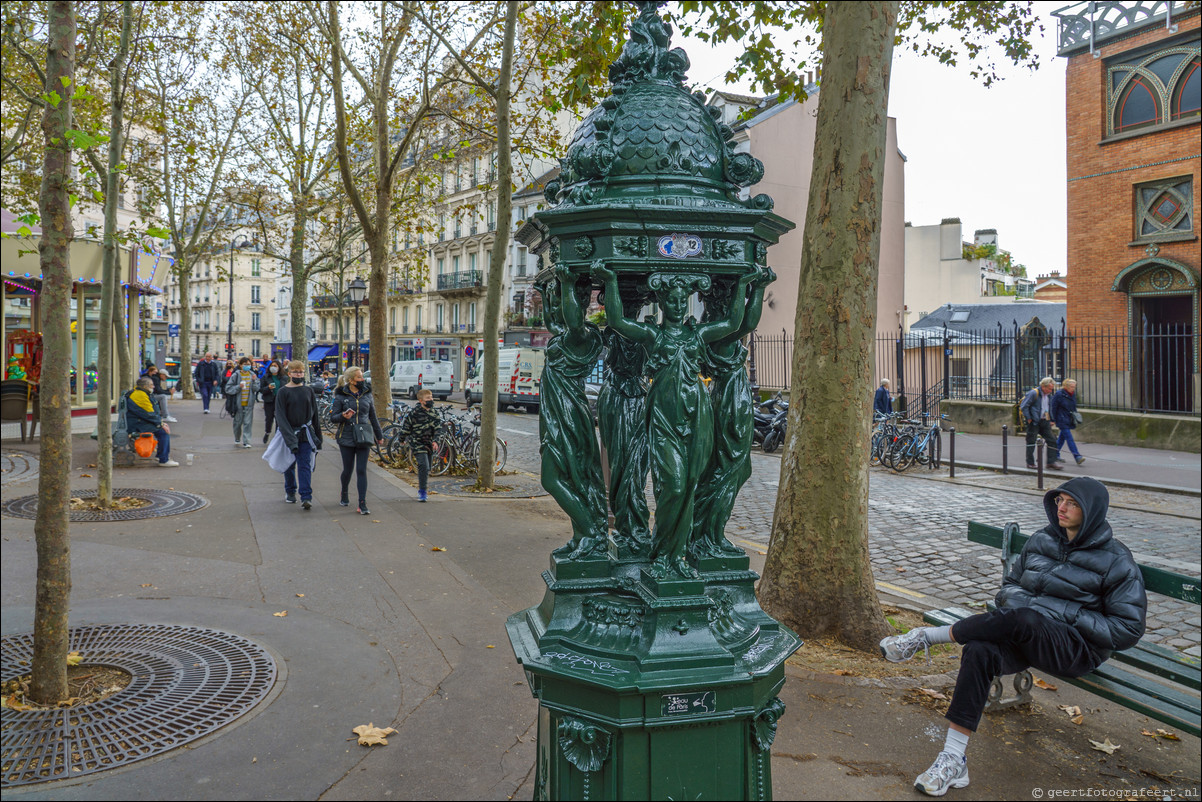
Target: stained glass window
{"x": 1154, "y": 89}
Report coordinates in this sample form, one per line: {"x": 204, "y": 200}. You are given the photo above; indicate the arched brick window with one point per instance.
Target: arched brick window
{"x": 1154, "y": 89}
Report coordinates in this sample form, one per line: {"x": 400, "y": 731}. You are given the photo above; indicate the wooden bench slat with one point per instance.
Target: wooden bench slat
{"x": 1139, "y": 702}
{"x": 1161, "y": 665}
{"x": 1169, "y": 696}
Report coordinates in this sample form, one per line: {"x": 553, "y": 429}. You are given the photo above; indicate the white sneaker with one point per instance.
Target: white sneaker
{"x": 171, "y": 419}
{"x": 206, "y": 412}
{"x": 169, "y": 464}
{"x": 246, "y": 445}
{"x": 948, "y": 771}
{"x": 899, "y": 648}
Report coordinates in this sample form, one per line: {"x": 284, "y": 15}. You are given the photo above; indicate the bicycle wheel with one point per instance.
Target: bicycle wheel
{"x": 440, "y": 460}
{"x": 936, "y": 448}
{"x": 876, "y": 449}
{"x": 903, "y": 453}
{"x": 500, "y": 455}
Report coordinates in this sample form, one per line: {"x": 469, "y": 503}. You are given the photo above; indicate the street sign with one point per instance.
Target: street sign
{"x": 172, "y": 329}
{"x": 468, "y": 350}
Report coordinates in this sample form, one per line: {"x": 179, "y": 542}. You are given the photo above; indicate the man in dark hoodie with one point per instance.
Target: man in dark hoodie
{"x": 1073, "y": 597}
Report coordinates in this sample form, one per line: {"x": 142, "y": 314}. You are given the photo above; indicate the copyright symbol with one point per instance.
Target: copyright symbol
{"x": 1037, "y": 793}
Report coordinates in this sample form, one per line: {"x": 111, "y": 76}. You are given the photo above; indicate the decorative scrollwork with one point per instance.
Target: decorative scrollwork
{"x": 584, "y": 745}
{"x": 584, "y": 247}
{"x": 726, "y": 249}
{"x": 631, "y": 246}
{"x": 743, "y": 169}
{"x": 763, "y": 728}
{"x": 602, "y": 611}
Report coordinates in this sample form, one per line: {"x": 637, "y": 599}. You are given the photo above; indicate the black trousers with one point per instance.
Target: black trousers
{"x": 423, "y": 468}
{"x": 354, "y": 458}
{"x": 268, "y": 416}
{"x": 1006, "y": 642}
{"x": 1041, "y": 428}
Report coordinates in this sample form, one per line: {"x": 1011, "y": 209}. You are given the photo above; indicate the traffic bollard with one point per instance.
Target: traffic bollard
{"x": 1039, "y": 464}
{"x": 951, "y": 453}
{"x": 1005, "y": 449}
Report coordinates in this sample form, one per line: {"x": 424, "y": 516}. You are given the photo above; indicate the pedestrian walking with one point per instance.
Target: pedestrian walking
{"x": 1066, "y": 417}
{"x": 299, "y": 424}
{"x": 269, "y": 385}
{"x": 1074, "y": 597}
{"x": 207, "y": 376}
{"x": 354, "y": 413}
{"x": 421, "y": 429}
{"x": 1037, "y": 412}
{"x": 882, "y": 403}
{"x": 241, "y": 389}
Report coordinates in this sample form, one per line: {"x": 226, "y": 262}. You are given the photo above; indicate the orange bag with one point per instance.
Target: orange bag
{"x": 145, "y": 444}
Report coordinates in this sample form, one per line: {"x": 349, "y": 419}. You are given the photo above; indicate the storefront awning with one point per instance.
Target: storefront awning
{"x": 320, "y": 352}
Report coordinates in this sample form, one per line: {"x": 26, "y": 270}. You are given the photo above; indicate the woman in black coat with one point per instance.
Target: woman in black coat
{"x": 353, "y": 409}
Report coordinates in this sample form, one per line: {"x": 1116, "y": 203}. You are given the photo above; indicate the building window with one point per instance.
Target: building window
{"x": 1154, "y": 89}
{"x": 254, "y": 294}
{"x": 255, "y": 321}
{"x": 392, "y": 319}
{"x": 324, "y": 327}
{"x": 454, "y": 317}
{"x": 438, "y": 310}
{"x": 454, "y": 264}
{"x": 256, "y": 346}
{"x": 256, "y": 267}
{"x": 471, "y": 262}
{"x": 405, "y": 318}
{"x": 441, "y": 266}
{"x": 471, "y": 316}
{"x": 418, "y": 321}
{"x": 1164, "y": 208}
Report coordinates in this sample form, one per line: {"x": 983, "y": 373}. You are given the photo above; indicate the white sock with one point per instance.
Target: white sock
{"x": 939, "y": 635}
{"x": 956, "y": 743}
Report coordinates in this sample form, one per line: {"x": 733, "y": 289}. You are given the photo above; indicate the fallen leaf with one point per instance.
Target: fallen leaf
{"x": 300, "y": 595}
{"x": 280, "y": 614}
{"x": 13, "y": 703}
{"x": 254, "y": 760}
{"x": 91, "y": 464}
{"x": 1070, "y": 710}
{"x": 437, "y": 548}
{"x": 1077, "y": 719}
{"x": 371, "y": 735}
{"x": 1105, "y": 746}
{"x": 1047, "y": 686}
{"x": 74, "y": 658}
{"x": 144, "y": 585}
{"x": 489, "y": 646}
{"x": 179, "y": 530}
{"x": 85, "y": 475}
{"x": 1168, "y": 736}
{"x": 375, "y": 521}
{"x": 934, "y": 694}
{"x": 843, "y": 672}
{"x": 901, "y": 570}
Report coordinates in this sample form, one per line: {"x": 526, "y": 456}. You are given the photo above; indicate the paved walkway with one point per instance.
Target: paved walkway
{"x": 382, "y": 628}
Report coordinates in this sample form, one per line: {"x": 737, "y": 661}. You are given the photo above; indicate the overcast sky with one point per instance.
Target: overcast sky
{"x": 995, "y": 158}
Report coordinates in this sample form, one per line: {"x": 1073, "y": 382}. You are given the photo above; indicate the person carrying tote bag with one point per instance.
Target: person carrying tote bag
{"x": 358, "y": 428}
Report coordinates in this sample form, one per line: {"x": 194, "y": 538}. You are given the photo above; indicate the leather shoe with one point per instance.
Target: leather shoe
{"x": 1056, "y": 466}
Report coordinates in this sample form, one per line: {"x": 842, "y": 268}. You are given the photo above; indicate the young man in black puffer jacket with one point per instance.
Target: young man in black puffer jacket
{"x": 1074, "y": 596}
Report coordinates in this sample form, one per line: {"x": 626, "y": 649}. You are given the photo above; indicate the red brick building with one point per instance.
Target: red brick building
{"x": 1133, "y": 194}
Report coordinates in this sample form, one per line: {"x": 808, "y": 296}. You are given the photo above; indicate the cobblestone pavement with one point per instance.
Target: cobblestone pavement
{"x": 17, "y": 466}
{"x": 917, "y": 525}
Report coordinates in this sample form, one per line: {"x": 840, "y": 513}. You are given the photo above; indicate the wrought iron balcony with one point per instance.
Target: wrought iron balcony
{"x": 461, "y": 280}
{"x": 1088, "y": 24}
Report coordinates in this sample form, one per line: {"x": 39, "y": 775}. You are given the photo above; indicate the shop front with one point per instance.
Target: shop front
{"x": 20, "y": 323}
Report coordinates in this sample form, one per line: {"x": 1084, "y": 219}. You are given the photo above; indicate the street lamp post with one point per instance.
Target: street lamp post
{"x": 229, "y": 335}
{"x": 356, "y": 291}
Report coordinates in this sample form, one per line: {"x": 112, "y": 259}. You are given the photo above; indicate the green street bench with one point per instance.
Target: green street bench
{"x": 1160, "y": 683}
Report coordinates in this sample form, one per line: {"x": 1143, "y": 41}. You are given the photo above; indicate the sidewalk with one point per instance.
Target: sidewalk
{"x": 1174, "y": 471}
{"x": 390, "y": 632}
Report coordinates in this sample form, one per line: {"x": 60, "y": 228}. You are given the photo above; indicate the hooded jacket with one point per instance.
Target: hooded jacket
{"x": 1090, "y": 583}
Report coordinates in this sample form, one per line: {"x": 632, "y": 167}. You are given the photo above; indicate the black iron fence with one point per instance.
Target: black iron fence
{"x": 1153, "y": 369}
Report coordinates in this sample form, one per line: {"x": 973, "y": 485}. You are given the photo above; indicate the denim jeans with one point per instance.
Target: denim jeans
{"x": 1066, "y": 436}
{"x": 304, "y": 467}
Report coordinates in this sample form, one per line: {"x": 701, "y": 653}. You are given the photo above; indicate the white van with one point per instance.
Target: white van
{"x": 406, "y": 378}
{"x": 519, "y": 377}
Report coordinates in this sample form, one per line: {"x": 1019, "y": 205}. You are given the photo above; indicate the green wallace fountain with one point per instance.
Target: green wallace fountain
{"x": 656, "y": 671}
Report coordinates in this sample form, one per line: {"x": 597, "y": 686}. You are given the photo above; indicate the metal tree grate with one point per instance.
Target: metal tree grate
{"x": 187, "y": 682}
{"x": 162, "y": 503}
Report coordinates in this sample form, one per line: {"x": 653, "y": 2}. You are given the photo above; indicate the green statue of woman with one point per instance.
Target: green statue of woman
{"x": 680, "y": 420}
{"x": 734, "y": 424}
{"x": 571, "y": 459}
{"x": 622, "y": 422}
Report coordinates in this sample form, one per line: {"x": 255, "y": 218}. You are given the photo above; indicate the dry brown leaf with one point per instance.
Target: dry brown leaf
{"x": 901, "y": 570}
{"x": 280, "y": 614}
{"x": 85, "y": 476}
{"x": 1168, "y": 736}
{"x": 91, "y": 464}
{"x": 489, "y": 646}
{"x": 437, "y": 548}
{"x": 300, "y": 595}
{"x": 843, "y": 672}
{"x": 1105, "y": 746}
{"x": 145, "y": 585}
{"x": 1047, "y": 686}
{"x": 1070, "y": 710}
{"x": 934, "y": 694}
{"x": 74, "y": 658}
{"x": 1077, "y": 719}
{"x": 13, "y": 703}
{"x": 375, "y": 521}
{"x": 371, "y": 735}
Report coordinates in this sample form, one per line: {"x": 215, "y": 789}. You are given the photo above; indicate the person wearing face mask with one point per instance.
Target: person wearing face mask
{"x": 241, "y": 388}
{"x": 421, "y": 429}
{"x": 269, "y": 385}
{"x": 300, "y": 425}
{"x": 354, "y": 413}
{"x": 208, "y": 377}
